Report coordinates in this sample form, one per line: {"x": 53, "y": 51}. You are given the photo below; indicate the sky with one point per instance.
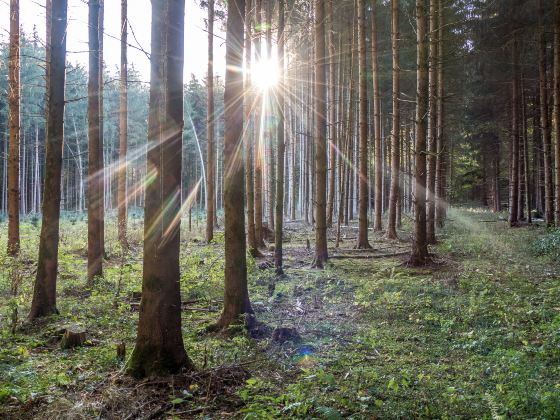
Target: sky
{"x": 32, "y": 13}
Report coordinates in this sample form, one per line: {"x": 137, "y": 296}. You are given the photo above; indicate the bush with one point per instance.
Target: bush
{"x": 548, "y": 245}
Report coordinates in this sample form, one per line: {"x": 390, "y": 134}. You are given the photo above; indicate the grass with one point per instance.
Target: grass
{"x": 476, "y": 335}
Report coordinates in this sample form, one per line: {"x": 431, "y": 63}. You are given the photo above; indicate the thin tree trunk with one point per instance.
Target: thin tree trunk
{"x": 432, "y": 124}
{"x": 210, "y": 124}
{"x": 363, "y": 242}
{"x": 545, "y": 125}
{"x": 441, "y": 170}
{"x": 420, "y": 245}
{"x": 14, "y": 124}
{"x": 378, "y": 174}
{"x": 320, "y": 109}
{"x": 281, "y": 146}
{"x": 514, "y": 153}
{"x": 44, "y": 290}
{"x": 556, "y": 119}
{"x": 122, "y": 199}
{"x": 259, "y": 234}
{"x": 396, "y": 124}
{"x": 95, "y": 176}
{"x": 332, "y": 113}
{"x": 159, "y": 348}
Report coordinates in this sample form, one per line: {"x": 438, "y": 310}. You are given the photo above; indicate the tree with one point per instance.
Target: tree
{"x": 396, "y": 126}
{"x": 440, "y": 188}
{"x": 556, "y": 119}
{"x": 44, "y": 290}
{"x": 258, "y": 151}
{"x": 122, "y": 200}
{"x": 210, "y": 124}
{"x": 419, "y": 243}
{"x": 236, "y": 293}
{"x": 159, "y": 348}
{"x": 95, "y": 174}
{"x": 14, "y": 123}
{"x": 432, "y": 124}
{"x": 378, "y": 170}
{"x": 363, "y": 242}
{"x": 332, "y": 113}
{"x": 545, "y": 123}
{"x": 281, "y": 146}
{"x": 320, "y": 134}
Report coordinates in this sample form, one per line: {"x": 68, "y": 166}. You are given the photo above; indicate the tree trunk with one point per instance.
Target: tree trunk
{"x": 159, "y": 348}
{"x": 236, "y": 294}
{"x": 441, "y": 170}
{"x": 419, "y": 245}
{"x": 396, "y": 124}
{"x": 514, "y": 153}
{"x": 258, "y": 135}
{"x": 122, "y": 199}
{"x": 95, "y": 175}
{"x": 44, "y": 290}
{"x": 556, "y": 119}
{"x": 432, "y": 125}
{"x": 545, "y": 124}
{"x": 249, "y": 143}
{"x": 320, "y": 110}
{"x": 363, "y": 242}
{"x": 14, "y": 123}
{"x": 281, "y": 146}
{"x": 378, "y": 189}
{"x": 210, "y": 124}
{"x": 332, "y": 114}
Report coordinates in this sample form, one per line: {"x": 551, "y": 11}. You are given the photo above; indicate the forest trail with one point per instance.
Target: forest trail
{"x": 474, "y": 335}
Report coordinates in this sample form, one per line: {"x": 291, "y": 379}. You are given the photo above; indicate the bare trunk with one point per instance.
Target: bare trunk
{"x": 556, "y": 118}
{"x": 378, "y": 189}
{"x": 210, "y": 125}
{"x": 14, "y": 124}
{"x": 514, "y": 152}
{"x": 441, "y": 169}
{"x": 432, "y": 125}
{"x": 159, "y": 348}
{"x": 44, "y": 290}
{"x": 122, "y": 200}
{"x": 332, "y": 114}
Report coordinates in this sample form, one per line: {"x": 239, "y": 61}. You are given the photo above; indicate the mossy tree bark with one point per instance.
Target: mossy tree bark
{"x": 159, "y": 348}
{"x": 44, "y": 290}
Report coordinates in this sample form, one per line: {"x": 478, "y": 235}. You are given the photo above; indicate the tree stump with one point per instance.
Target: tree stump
{"x": 121, "y": 351}
{"x": 71, "y": 339}
{"x": 283, "y": 334}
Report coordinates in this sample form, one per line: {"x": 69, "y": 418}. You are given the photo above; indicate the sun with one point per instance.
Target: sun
{"x": 265, "y": 73}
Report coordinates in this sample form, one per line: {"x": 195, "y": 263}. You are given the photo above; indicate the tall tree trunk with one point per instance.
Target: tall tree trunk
{"x": 556, "y": 119}
{"x": 419, "y": 244}
{"x": 545, "y": 124}
{"x": 332, "y": 114}
{"x": 363, "y": 242}
{"x": 441, "y": 170}
{"x": 432, "y": 124}
{"x": 95, "y": 175}
{"x": 514, "y": 153}
{"x": 210, "y": 124}
{"x": 271, "y": 167}
{"x": 44, "y": 290}
{"x": 281, "y": 146}
{"x": 249, "y": 149}
{"x": 159, "y": 348}
{"x": 259, "y": 234}
{"x": 101, "y": 155}
{"x": 236, "y": 294}
{"x": 122, "y": 199}
{"x": 378, "y": 189}
{"x": 320, "y": 111}
{"x": 14, "y": 123}
{"x": 396, "y": 124}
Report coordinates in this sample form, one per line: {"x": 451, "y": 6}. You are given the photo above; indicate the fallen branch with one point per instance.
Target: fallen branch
{"x": 368, "y": 257}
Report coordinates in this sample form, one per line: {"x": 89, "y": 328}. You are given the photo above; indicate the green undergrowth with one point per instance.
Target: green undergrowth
{"x": 475, "y": 335}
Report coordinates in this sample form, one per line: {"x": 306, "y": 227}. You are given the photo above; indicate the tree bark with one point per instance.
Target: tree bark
{"x": 258, "y": 135}
{"x": 44, "y": 290}
{"x": 14, "y": 123}
{"x": 332, "y": 114}
{"x": 95, "y": 176}
{"x": 556, "y": 119}
{"x": 320, "y": 109}
{"x": 210, "y": 125}
{"x": 236, "y": 294}
{"x": 159, "y": 348}
{"x": 419, "y": 244}
{"x": 378, "y": 171}
{"x": 432, "y": 124}
{"x": 545, "y": 124}
{"x": 395, "y": 130}
{"x": 281, "y": 146}
{"x": 441, "y": 170}
{"x": 514, "y": 153}
{"x": 122, "y": 200}
{"x": 363, "y": 242}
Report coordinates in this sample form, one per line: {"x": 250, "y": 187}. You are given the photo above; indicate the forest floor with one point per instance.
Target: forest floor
{"x": 475, "y": 335}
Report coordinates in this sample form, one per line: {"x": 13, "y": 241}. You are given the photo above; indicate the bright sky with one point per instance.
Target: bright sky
{"x": 32, "y": 13}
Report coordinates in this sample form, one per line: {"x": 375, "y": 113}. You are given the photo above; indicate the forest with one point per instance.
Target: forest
{"x": 353, "y": 213}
